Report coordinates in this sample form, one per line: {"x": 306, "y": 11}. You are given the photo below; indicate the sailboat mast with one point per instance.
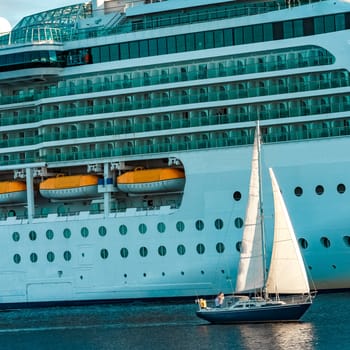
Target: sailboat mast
{"x": 261, "y": 207}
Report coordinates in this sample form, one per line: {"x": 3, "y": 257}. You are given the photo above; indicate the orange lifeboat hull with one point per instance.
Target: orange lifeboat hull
{"x": 157, "y": 180}
{"x": 13, "y": 192}
{"x": 67, "y": 187}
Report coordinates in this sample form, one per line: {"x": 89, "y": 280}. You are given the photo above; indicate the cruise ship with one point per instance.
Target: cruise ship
{"x": 126, "y": 132}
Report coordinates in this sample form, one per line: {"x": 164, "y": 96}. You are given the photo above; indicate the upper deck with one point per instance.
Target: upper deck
{"x": 82, "y": 21}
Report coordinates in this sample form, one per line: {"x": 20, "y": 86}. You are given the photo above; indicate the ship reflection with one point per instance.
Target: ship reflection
{"x": 274, "y": 336}
{"x": 278, "y": 336}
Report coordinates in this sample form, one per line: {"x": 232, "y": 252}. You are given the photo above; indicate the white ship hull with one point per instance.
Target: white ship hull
{"x": 177, "y": 109}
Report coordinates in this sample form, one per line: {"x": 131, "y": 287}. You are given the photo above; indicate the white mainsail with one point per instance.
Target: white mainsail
{"x": 250, "y": 272}
{"x": 287, "y": 272}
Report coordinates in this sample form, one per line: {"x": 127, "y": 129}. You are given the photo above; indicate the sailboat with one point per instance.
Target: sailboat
{"x": 258, "y": 295}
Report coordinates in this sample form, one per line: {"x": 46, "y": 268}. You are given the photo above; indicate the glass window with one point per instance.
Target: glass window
{"x": 102, "y": 231}
{"x": 162, "y": 48}
{"x": 134, "y": 49}
{"x": 340, "y": 22}
{"x": 325, "y": 242}
{"x": 143, "y": 252}
{"x": 33, "y": 257}
{"x": 84, "y": 232}
{"x": 162, "y": 250}
{"x": 298, "y": 28}
{"x": 67, "y": 255}
{"x": 124, "y": 253}
{"x": 220, "y": 247}
{"x": 161, "y": 227}
{"x": 288, "y": 29}
{"x": 346, "y": 240}
{"x": 219, "y": 224}
{"x": 104, "y": 253}
{"x": 329, "y": 23}
{"x": 200, "y": 248}
{"x": 238, "y": 246}
{"x": 124, "y": 51}
{"x": 96, "y": 56}
{"x": 17, "y": 258}
{"x": 247, "y": 34}
{"x": 298, "y": 191}
{"x": 303, "y": 243}
{"x": 258, "y": 33}
{"x": 114, "y": 52}
{"x": 32, "y": 235}
{"x": 171, "y": 44}
{"x": 209, "y": 40}
{"x": 237, "y": 196}
{"x": 180, "y": 43}
{"x": 50, "y": 256}
{"x": 16, "y": 236}
{"x": 180, "y": 226}
{"x": 268, "y": 34}
{"x": 199, "y": 41}
{"x": 123, "y": 229}
{"x": 238, "y": 222}
{"x": 66, "y": 233}
{"x": 49, "y": 234}
{"x": 199, "y": 225}
{"x": 319, "y": 189}
{"x": 228, "y": 37}
{"x": 105, "y": 56}
{"x": 181, "y": 249}
{"x": 190, "y": 42}
{"x": 142, "y": 228}
{"x": 144, "y": 48}
{"x": 341, "y": 188}
{"x": 218, "y": 38}
{"x": 153, "y": 47}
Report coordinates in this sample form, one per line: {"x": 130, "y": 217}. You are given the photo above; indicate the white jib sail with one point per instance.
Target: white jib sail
{"x": 250, "y": 271}
{"x": 287, "y": 272}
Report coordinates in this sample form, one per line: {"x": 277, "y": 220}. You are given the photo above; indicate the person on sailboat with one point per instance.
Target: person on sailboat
{"x": 219, "y": 300}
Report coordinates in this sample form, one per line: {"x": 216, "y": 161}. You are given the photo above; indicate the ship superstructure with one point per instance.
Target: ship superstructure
{"x": 126, "y": 130}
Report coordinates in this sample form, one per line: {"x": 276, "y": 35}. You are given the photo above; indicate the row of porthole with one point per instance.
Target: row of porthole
{"x": 84, "y": 231}
{"x": 298, "y": 191}
{"x": 162, "y": 251}
{"x": 124, "y": 252}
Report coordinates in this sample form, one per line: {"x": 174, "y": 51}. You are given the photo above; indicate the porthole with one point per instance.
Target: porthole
{"x": 33, "y": 257}
{"x": 220, "y": 247}
{"x": 104, "y": 253}
{"x": 239, "y": 246}
{"x": 298, "y": 191}
{"x": 84, "y": 232}
{"x": 200, "y": 248}
{"x": 143, "y": 252}
{"x": 341, "y": 188}
{"x": 32, "y": 235}
{"x": 66, "y": 233}
{"x": 50, "y": 256}
{"x": 199, "y": 225}
{"x": 303, "y": 243}
{"x": 67, "y": 255}
{"x": 181, "y": 250}
{"x": 219, "y": 224}
{"x": 237, "y": 196}
{"x": 102, "y": 231}
{"x": 49, "y": 234}
{"x": 17, "y": 258}
{"x": 15, "y": 236}
{"x": 142, "y": 228}
{"x": 123, "y": 230}
{"x": 162, "y": 250}
{"x": 239, "y": 222}
{"x": 319, "y": 189}
{"x": 124, "y": 253}
{"x": 325, "y": 242}
{"x": 161, "y": 227}
{"x": 346, "y": 240}
{"x": 180, "y": 226}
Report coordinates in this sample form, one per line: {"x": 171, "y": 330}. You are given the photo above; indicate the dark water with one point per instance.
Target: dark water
{"x": 169, "y": 326}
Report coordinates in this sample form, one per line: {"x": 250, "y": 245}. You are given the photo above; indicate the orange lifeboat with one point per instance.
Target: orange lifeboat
{"x": 151, "y": 180}
{"x": 66, "y": 187}
{"x": 13, "y": 192}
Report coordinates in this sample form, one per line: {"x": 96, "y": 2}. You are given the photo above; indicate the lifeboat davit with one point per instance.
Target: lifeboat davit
{"x": 67, "y": 187}
{"x": 13, "y": 192}
{"x": 151, "y": 180}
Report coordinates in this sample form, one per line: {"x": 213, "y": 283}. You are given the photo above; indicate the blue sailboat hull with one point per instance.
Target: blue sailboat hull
{"x": 268, "y": 313}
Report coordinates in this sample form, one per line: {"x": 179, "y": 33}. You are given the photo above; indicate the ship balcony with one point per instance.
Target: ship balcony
{"x": 30, "y": 75}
